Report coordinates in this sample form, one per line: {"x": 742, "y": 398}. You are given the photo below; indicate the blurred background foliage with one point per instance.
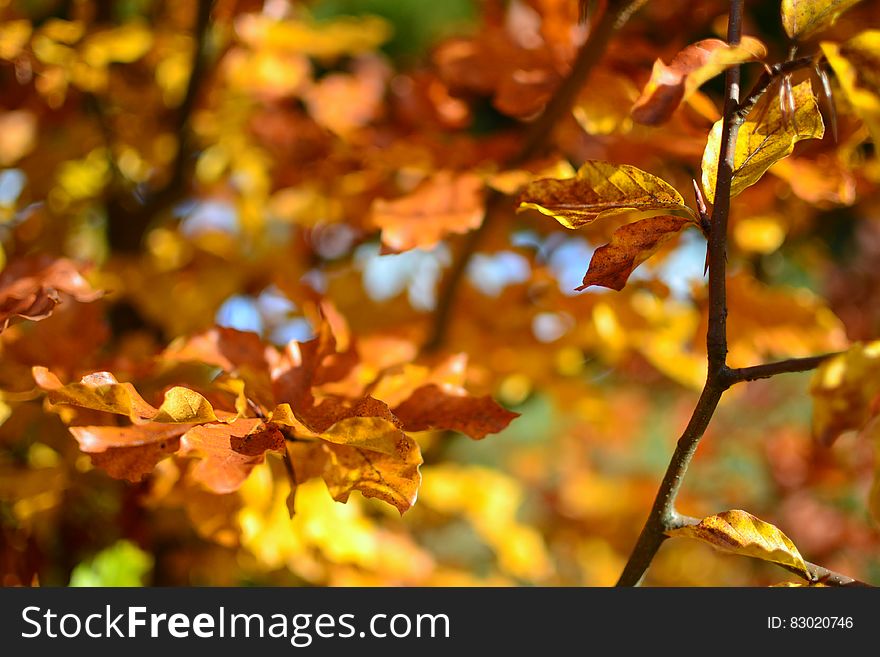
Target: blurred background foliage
{"x": 261, "y": 198}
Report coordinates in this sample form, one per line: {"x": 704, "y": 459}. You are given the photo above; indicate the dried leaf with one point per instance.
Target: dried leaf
{"x": 229, "y": 452}
{"x": 801, "y": 18}
{"x": 102, "y": 392}
{"x": 630, "y": 246}
{"x": 760, "y": 144}
{"x": 129, "y": 452}
{"x": 393, "y": 479}
{"x": 742, "y": 533}
{"x": 699, "y": 62}
{"x": 436, "y": 407}
{"x": 31, "y": 288}
{"x": 601, "y": 189}
{"x": 443, "y": 204}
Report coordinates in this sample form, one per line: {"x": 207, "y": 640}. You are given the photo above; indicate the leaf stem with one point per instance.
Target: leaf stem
{"x": 615, "y": 16}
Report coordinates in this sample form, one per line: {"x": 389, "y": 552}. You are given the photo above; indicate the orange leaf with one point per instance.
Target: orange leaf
{"x": 630, "y": 246}
{"x": 689, "y": 69}
{"x": 30, "y": 288}
{"x": 443, "y": 204}
{"x": 432, "y": 407}
{"x": 229, "y": 452}
{"x": 129, "y": 452}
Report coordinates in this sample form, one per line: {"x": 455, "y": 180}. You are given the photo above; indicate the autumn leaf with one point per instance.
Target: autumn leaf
{"x": 599, "y": 190}
{"x": 102, "y": 392}
{"x": 394, "y": 479}
{"x": 845, "y": 391}
{"x": 802, "y": 18}
{"x": 434, "y": 407}
{"x": 854, "y": 63}
{"x": 630, "y": 246}
{"x": 763, "y": 141}
{"x": 446, "y": 203}
{"x": 129, "y": 452}
{"x": 699, "y": 62}
{"x": 742, "y": 533}
{"x": 228, "y": 452}
{"x": 30, "y": 288}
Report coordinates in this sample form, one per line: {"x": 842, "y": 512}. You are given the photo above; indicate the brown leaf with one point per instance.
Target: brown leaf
{"x": 600, "y": 190}
{"x": 229, "y": 452}
{"x": 689, "y": 69}
{"x": 432, "y": 407}
{"x": 630, "y": 246}
{"x": 129, "y": 452}
{"x": 443, "y": 204}
{"x": 30, "y": 288}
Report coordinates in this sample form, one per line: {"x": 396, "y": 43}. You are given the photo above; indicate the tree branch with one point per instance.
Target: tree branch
{"x": 663, "y": 515}
{"x": 128, "y": 218}
{"x": 615, "y": 16}
{"x": 780, "y": 367}
{"x": 768, "y": 77}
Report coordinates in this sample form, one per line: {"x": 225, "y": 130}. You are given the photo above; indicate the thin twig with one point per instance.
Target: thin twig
{"x": 615, "y": 16}
{"x": 663, "y": 515}
{"x": 768, "y": 77}
{"x": 780, "y": 367}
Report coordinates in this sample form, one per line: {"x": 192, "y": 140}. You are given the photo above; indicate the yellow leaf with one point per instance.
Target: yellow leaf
{"x": 742, "y": 533}
{"x": 672, "y": 84}
{"x": 762, "y": 143}
{"x": 601, "y": 189}
{"x": 855, "y": 64}
{"x": 844, "y": 390}
{"x": 801, "y": 18}
{"x": 394, "y": 479}
{"x": 373, "y": 433}
{"x": 184, "y": 405}
{"x": 102, "y": 392}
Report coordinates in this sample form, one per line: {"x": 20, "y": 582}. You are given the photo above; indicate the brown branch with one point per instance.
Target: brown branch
{"x": 663, "y": 515}
{"x": 615, "y": 16}
{"x": 780, "y": 367}
{"x": 129, "y": 218}
{"x": 768, "y": 77}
